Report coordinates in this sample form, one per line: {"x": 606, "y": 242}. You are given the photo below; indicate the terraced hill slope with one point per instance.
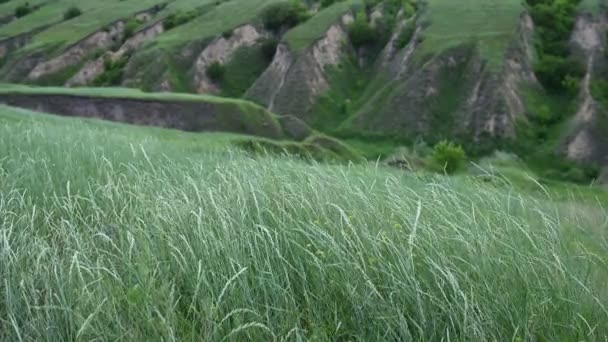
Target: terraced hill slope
{"x": 474, "y": 71}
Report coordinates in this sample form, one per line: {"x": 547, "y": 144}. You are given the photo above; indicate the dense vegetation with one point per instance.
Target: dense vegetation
{"x": 554, "y": 20}
{"x": 119, "y": 232}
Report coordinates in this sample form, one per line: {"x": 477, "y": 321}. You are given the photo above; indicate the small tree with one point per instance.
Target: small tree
{"x": 284, "y": 15}
{"x": 215, "y": 71}
{"x": 447, "y": 157}
{"x": 360, "y": 31}
{"x": 72, "y": 12}
{"x": 23, "y": 10}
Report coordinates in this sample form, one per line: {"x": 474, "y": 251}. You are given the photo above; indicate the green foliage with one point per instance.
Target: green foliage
{"x": 447, "y": 157}
{"x": 72, "y": 12}
{"x": 554, "y": 20}
{"x": 269, "y": 48}
{"x": 559, "y": 74}
{"x": 23, "y": 10}
{"x": 130, "y": 27}
{"x": 360, "y": 32}
{"x": 179, "y": 18}
{"x": 215, "y": 71}
{"x": 112, "y": 75}
{"x": 284, "y": 15}
{"x": 405, "y": 36}
{"x": 244, "y": 67}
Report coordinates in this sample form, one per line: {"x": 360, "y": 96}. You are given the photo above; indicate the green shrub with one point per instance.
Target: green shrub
{"x": 284, "y": 15}
{"x": 112, "y": 76}
{"x": 178, "y": 18}
{"x": 269, "y": 48}
{"x": 215, "y": 71}
{"x": 558, "y": 73}
{"x": 406, "y": 35}
{"x": 555, "y": 20}
{"x": 447, "y": 157}
{"x": 130, "y": 28}
{"x": 23, "y": 10}
{"x": 72, "y": 12}
{"x": 360, "y": 31}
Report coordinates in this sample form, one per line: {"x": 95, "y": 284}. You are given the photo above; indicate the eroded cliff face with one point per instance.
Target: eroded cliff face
{"x": 96, "y": 67}
{"x": 221, "y": 50}
{"x": 587, "y": 139}
{"x": 194, "y": 116}
{"x": 77, "y": 53}
{"x": 294, "y": 81}
{"x": 454, "y": 93}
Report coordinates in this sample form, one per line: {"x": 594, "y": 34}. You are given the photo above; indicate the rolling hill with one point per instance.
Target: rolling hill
{"x": 325, "y": 170}
{"x": 393, "y": 72}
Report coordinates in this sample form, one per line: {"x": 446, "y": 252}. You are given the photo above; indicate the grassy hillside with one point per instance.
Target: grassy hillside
{"x": 302, "y": 36}
{"x": 120, "y": 232}
{"x": 490, "y": 24}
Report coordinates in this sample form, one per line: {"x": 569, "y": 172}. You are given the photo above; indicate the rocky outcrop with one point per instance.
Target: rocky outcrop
{"x": 221, "y": 50}
{"x": 293, "y": 81}
{"x": 100, "y": 40}
{"x": 586, "y": 141}
{"x": 75, "y": 54}
{"x": 187, "y": 115}
{"x": 495, "y": 102}
{"x": 93, "y": 69}
{"x": 454, "y": 93}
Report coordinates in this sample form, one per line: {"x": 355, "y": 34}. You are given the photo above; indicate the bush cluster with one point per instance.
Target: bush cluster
{"x": 72, "y": 12}
{"x": 23, "y": 10}
{"x": 284, "y": 15}
{"x": 554, "y": 20}
{"x": 112, "y": 75}
{"x": 178, "y": 18}
{"x": 446, "y": 157}
{"x": 215, "y": 71}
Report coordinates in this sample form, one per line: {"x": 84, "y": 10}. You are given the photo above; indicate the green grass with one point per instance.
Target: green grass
{"x": 303, "y": 35}
{"x": 93, "y": 19}
{"x": 8, "y": 8}
{"x": 243, "y": 68}
{"x": 227, "y": 15}
{"x": 96, "y": 14}
{"x": 118, "y": 232}
{"x": 116, "y": 92}
{"x": 489, "y": 23}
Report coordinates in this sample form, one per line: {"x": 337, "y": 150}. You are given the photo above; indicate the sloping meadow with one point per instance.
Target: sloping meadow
{"x": 119, "y": 232}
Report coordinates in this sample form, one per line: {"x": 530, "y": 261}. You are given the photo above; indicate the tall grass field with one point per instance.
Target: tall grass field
{"x": 112, "y": 232}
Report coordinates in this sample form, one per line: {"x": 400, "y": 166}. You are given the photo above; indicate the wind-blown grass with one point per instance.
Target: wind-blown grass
{"x": 117, "y": 235}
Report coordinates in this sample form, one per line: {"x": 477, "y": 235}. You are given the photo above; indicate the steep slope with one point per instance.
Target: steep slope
{"x": 586, "y": 139}
{"x": 464, "y": 83}
{"x": 295, "y": 79}
{"x": 179, "y": 111}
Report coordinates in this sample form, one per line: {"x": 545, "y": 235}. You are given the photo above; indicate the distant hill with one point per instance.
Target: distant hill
{"x": 530, "y": 78}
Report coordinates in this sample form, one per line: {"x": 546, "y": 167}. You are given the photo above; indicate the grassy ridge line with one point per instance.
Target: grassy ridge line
{"x": 92, "y": 20}
{"x": 123, "y": 93}
{"x": 224, "y": 16}
{"x": 52, "y": 12}
{"x": 8, "y": 8}
{"x": 303, "y": 35}
{"x": 189, "y": 141}
{"x": 118, "y": 235}
{"x": 489, "y": 23}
